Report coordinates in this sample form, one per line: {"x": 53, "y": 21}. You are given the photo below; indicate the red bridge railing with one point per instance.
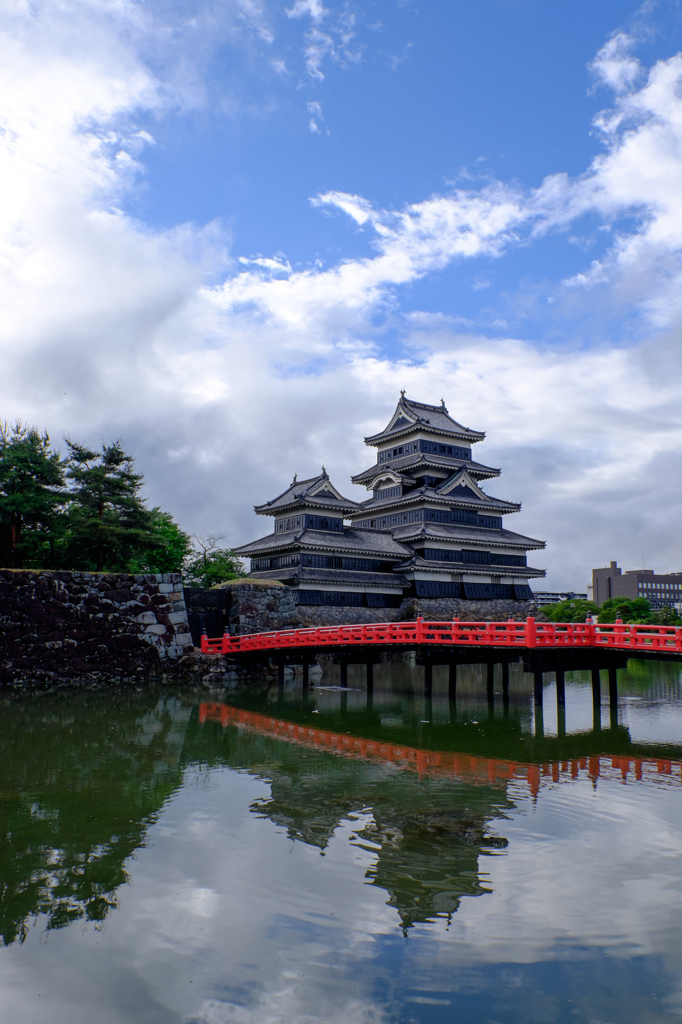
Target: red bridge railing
{"x": 618, "y": 635}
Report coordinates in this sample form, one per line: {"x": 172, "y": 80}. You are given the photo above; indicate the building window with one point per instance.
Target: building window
{"x": 432, "y": 516}
{"x": 388, "y": 492}
{"x": 292, "y": 523}
{"x": 323, "y": 523}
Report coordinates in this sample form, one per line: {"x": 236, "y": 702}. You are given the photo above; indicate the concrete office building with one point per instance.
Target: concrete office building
{"x": 660, "y": 590}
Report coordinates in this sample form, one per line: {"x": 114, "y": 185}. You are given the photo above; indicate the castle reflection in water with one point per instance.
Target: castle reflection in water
{"x": 85, "y": 777}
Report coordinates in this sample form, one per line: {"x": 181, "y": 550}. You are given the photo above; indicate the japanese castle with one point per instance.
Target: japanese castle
{"x": 427, "y": 531}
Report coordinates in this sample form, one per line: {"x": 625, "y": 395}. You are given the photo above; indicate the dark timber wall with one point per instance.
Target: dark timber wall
{"x": 81, "y": 626}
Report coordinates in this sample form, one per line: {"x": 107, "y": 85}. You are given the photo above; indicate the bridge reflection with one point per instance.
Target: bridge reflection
{"x": 560, "y": 758}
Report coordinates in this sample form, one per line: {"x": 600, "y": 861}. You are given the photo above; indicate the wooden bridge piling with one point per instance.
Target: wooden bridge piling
{"x": 539, "y": 722}
{"x": 505, "y": 684}
{"x": 490, "y": 682}
{"x": 452, "y": 680}
{"x": 596, "y": 699}
{"x": 428, "y": 678}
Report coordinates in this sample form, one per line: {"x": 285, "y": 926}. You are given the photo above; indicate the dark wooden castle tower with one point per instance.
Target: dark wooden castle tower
{"x": 428, "y": 530}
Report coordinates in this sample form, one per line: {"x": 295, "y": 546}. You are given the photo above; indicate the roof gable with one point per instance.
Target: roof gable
{"x": 458, "y": 482}
{"x": 318, "y": 490}
{"x": 435, "y": 418}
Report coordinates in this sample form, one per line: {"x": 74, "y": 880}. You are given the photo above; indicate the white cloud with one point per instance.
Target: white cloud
{"x": 224, "y": 390}
{"x": 313, "y": 8}
{"x": 337, "y": 42}
{"x": 613, "y": 66}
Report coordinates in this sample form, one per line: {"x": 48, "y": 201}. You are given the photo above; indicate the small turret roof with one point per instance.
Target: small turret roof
{"x": 317, "y": 491}
{"x": 410, "y": 415}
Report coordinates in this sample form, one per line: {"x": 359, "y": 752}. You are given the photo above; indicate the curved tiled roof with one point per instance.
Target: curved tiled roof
{"x": 475, "y": 534}
{"x": 432, "y": 418}
{"x": 432, "y": 494}
{"x": 432, "y": 565}
{"x": 410, "y": 462}
{"x": 353, "y": 540}
{"x": 302, "y": 574}
{"x": 318, "y": 491}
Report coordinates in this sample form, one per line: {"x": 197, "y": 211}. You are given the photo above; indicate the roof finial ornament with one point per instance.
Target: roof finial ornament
{"x": 295, "y": 480}
{"x": 442, "y": 402}
{"x": 402, "y": 392}
{"x": 324, "y": 471}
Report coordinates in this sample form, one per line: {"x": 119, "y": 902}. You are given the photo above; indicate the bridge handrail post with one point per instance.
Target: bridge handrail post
{"x": 204, "y": 642}
{"x": 530, "y": 632}
{"x": 419, "y": 631}
{"x": 590, "y": 631}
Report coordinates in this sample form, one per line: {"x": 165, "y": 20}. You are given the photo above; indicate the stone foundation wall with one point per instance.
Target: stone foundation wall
{"x": 258, "y": 608}
{"x": 80, "y": 626}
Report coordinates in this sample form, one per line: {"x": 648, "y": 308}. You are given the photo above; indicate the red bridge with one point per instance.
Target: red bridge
{"x": 522, "y": 635}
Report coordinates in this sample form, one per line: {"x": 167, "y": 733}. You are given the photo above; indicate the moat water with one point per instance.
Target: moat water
{"x": 272, "y": 855}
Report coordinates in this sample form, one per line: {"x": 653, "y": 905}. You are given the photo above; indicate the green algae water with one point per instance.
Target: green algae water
{"x": 263, "y": 856}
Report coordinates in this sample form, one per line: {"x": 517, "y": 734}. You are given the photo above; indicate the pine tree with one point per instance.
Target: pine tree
{"x": 31, "y": 496}
{"x": 108, "y": 520}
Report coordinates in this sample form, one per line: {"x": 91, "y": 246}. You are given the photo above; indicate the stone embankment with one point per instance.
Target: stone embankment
{"x": 89, "y": 627}
{"x": 81, "y": 628}
{"x": 258, "y": 607}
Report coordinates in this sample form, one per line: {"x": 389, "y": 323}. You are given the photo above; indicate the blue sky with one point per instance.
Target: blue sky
{"x": 231, "y": 232}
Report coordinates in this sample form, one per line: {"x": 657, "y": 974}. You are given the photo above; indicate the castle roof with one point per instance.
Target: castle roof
{"x": 318, "y": 492}
{"x": 416, "y": 562}
{"x": 412, "y": 532}
{"x": 354, "y": 541}
{"x": 407, "y": 464}
{"x": 302, "y": 574}
{"x": 434, "y": 419}
{"x": 458, "y": 490}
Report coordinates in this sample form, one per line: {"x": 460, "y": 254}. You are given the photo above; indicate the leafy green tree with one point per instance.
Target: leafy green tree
{"x": 665, "y": 617}
{"x": 210, "y": 565}
{"x": 172, "y": 546}
{"x": 635, "y": 609}
{"x": 31, "y": 496}
{"x": 109, "y": 523}
{"x": 574, "y": 610}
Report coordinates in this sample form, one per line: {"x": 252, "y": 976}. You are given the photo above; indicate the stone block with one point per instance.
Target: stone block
{"x": 184, "y": 639}
{"x": 165, "y": 588}
{"x": 178, "y": 617}
{"x": 146, "y": 618}
{"x": 155, "y": 629}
